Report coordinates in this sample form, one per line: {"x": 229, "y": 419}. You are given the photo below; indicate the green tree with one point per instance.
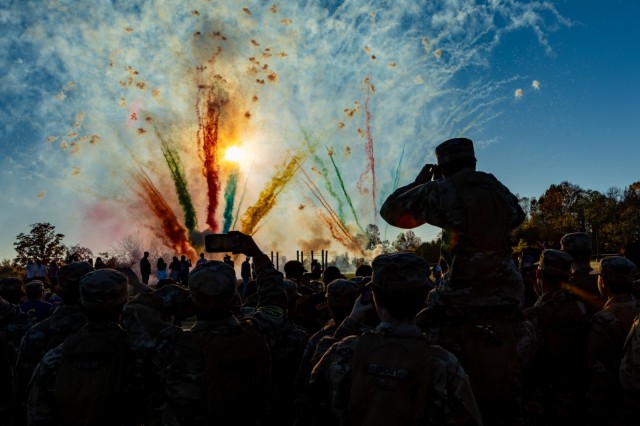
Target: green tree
{"x": 79, "y": 252}
{"x": 42, "y": 243}
{"x": 373, "y": 236}
{"x": 407, "y": 241}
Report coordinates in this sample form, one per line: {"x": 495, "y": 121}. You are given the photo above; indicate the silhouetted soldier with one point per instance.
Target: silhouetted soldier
{"x": 475, "y": 311}
{"x": 13, "y": 325}
{"x": 89, "y": 378}
{"x": 66, "y": 319}
{"x": 217, "y": 371}
{"x": 556, "y": 382}
{"x": 393, "y": 375}
{"x": 608, "y": 332}
{"x": 581, "y": 282}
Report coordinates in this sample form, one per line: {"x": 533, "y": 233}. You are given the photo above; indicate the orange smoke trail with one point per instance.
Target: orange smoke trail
{"x": 333, "y": 220}
{"x": 173, "y": 234}
{"x": 268, "y": 196}
{"x": 336, "y": 236}
{"x": 208, "y": 123}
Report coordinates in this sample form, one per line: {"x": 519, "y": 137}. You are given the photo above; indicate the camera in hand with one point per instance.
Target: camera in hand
{"x": 219, "y": 243}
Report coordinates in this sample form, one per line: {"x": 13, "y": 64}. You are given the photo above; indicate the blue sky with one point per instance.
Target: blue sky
{"x": 422, "y": 71}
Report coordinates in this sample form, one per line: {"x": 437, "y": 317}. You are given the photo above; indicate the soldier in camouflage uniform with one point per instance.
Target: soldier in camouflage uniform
{"x": 477, "y": 214}
{"x": 582, "y": 282}
{"x": 65, "y": 387}
{"x": 13, "y": 325}
{"x": 66, "y": 319}
{"x": 393, "y": 375}
{"x": 286, "y": 356}
{"x": 475, "y": 311}
{"x": 555, "y": 385}
{"x": 202, "y": 388}
{"x": 341, "y": 295}
{"x": 607, "y": 335}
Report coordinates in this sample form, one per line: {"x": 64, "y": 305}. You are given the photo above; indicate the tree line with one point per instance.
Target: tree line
{"x": 612, "y": 218}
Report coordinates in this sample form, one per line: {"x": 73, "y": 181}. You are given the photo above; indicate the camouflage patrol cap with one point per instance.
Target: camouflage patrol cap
{"x": 212, "y": 284}
{"x": 617, "y": 269}
{"x": 576, "y": 241}
{"x": 103, "y": 289}
{"x": 555, "y": 262}
{"x": 34, "y": 285}
{"x": 10, "y": 284}
{"x": 399, "y": 271}
{"x": 454, "y": 149}
{"x": 342, "y": 292}
{"x": 69, "y": 276}
{"x": 291, "y": 288}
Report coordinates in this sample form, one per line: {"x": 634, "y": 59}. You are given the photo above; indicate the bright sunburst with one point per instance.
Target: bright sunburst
{"x": 234, "y": 154}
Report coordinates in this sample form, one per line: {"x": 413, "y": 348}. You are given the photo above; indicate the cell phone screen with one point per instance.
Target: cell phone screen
{"x": 217, "y": 243}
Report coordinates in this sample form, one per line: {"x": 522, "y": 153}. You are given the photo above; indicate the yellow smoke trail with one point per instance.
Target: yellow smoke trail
{"x": 268, "y": 196}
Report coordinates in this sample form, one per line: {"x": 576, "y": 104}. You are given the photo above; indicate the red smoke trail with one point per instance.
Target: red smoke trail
{"x": 173, "y": 234}
{"x": 208, "y": 123}
{"x": 371, "y": 165}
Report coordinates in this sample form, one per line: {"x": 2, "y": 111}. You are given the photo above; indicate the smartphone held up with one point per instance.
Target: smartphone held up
{"x": 221, "y": 243}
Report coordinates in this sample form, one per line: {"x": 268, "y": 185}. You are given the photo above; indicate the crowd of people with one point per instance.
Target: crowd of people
{"x": 476, "y": 339}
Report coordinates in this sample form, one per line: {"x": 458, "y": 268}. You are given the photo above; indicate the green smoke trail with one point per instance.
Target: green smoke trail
{"x": 229, "y": 197}
{"x": 344, "y": 190}
{"x": 324, "y": 172}
{"x": 396, "y": 179}
{"x": 177, "y": 173}
{"x": 244, "y": 191}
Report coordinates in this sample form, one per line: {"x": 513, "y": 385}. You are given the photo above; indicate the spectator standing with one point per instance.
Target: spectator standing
{"x": 161, "y": 267}
{"x": 145, "y": 268}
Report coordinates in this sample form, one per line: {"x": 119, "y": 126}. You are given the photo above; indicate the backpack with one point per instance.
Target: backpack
{"x": 90, "y": 382}
{"x": 630, "y": 364}
{"x": 237, "y": 365}
{"x": 564, "y": 327}
{"x": 390, "y": 380}
{"x": 487, "y": 350}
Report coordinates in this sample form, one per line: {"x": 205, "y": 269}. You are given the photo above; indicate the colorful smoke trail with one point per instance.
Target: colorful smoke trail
{"x": 170, "y": 232}
{"x": 209, "y": 108}
{"x": 344, "y": 191}
{"x": 175, "y": 168}
{"x": 269, "y": 195}
{"x": 229, "y": 198}
{"x": 371, "y": 160}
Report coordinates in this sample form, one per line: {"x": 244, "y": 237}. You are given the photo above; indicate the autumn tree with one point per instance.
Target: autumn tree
{"x": 41, "y": 243}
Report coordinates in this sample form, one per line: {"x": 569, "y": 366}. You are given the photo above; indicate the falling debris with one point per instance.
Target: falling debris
{"x": 518, "y": 94}
{"x": 42, "y": 194}
{"x": 535, "y": 84}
